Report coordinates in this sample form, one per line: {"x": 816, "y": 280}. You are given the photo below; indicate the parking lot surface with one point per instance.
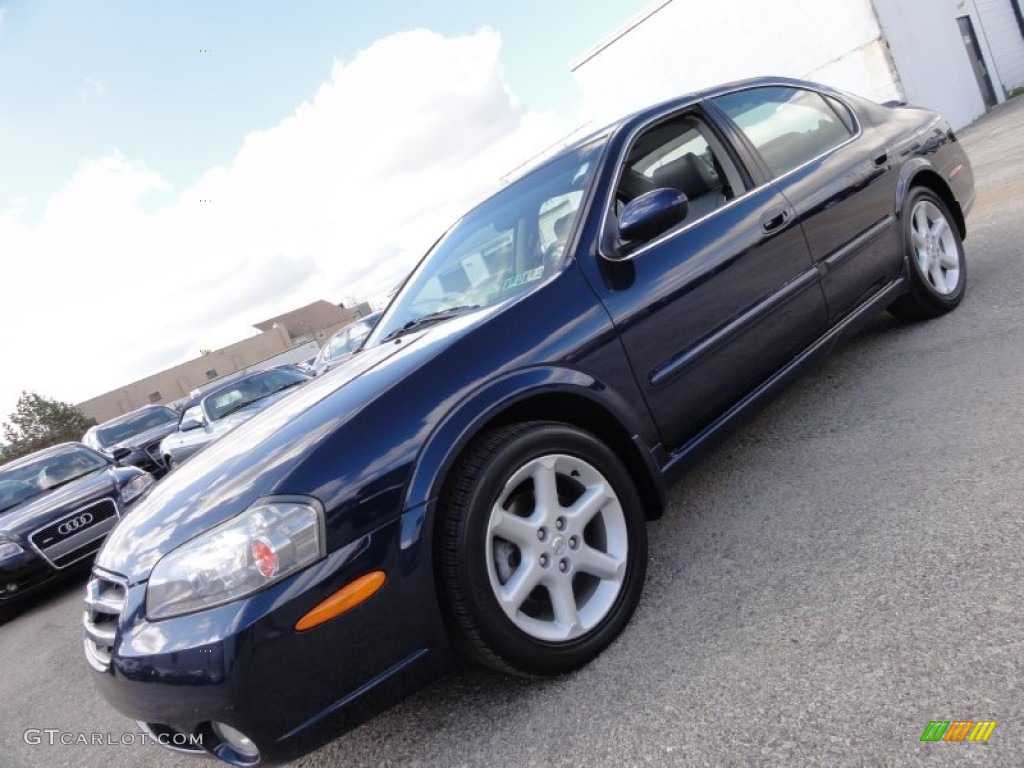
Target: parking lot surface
{"x": 840, "y": 572}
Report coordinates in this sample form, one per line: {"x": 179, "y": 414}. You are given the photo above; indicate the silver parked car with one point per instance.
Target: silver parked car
{"x": 215, "y": 412}
{"x": 343, "y": 344}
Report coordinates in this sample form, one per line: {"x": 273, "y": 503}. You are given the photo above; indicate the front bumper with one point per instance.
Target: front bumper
{"x": 244, "y": 664}
{"x": 23, "y": 574}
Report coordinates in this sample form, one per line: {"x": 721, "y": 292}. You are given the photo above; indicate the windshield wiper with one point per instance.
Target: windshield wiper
{"x": 239, "y": 406}
{"x": 429, "y": 319}
{"x": 286, "y": 386}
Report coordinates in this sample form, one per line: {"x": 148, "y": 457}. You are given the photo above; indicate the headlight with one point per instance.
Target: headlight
{"x": 134, "y": 488}
{"x": 9, "y": 549}
{"x": 268, "y": 542}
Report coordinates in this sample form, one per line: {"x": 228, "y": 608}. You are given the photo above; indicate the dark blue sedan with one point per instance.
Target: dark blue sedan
{"x": 479, "y": 476}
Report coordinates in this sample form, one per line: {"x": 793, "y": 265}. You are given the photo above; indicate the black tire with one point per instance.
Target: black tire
{"x": 469, "y": 560}
{"x": 931, "y": 293}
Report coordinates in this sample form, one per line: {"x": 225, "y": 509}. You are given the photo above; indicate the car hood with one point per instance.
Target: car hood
{"x": 21, "y": 520}
{"x": 230, "y": 474}
{"x": 145, "y": 438}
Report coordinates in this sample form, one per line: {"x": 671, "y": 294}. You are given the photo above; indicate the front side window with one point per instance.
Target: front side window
{"x": 787, "y": 126}
{"x": 681, "y": 153}
{"x": 503, "y": 248}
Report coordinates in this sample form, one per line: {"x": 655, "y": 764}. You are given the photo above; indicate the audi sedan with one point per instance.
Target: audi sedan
{"x": 478, "y": 479}
{"x": 56, "y": 507}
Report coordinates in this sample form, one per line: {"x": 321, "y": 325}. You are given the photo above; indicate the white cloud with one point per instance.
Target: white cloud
{"x": 92, "y": 88}
{"x": 339, "y": 199}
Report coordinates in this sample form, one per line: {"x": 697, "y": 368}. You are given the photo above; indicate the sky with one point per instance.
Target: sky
{"x": 171, "y": 173}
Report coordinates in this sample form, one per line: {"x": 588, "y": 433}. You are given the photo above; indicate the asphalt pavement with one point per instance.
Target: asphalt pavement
{"x": 844, "y": 569}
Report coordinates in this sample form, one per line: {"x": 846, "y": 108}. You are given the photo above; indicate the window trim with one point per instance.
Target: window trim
{"x": 729, "y": 133}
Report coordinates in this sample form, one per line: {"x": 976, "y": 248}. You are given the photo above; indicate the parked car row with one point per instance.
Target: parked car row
{"x": 57, "y": 505}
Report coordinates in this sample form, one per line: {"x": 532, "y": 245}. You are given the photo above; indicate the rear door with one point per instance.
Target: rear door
{"x": 710, "y": 308}
{"x": 838, "y": 178}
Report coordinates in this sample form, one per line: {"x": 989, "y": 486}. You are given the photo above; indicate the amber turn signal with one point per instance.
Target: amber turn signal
{"x": 345, "y": 599}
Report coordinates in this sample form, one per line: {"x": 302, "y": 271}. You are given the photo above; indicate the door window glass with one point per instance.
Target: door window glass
{"x": 787, "y": 126}
{"x": 684, "y": 154}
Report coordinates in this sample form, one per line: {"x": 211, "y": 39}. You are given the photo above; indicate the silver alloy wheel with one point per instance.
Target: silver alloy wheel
{"x": 935, "y": 247}
{"x": 557, "y": 548}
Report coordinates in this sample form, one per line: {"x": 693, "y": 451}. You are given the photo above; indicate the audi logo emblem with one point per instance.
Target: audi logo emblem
{"x": 75, "y": 524}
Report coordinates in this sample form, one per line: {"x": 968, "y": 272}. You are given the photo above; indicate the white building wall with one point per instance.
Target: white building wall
{"x": 677, "y": 46}
{"x": 881, "y": 49}
{"x": 934, "y": 68}
{"x": 1004, "y": 40}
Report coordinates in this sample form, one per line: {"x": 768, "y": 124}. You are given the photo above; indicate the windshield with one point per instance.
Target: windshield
{"x": 236, "y": 396}
{"x": 23, "y": 481}
{"x": 112, "y": 434}
{"x": 503, "y": 248}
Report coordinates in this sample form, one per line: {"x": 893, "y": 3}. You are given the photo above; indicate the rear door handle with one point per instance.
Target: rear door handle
{"x": 775, "y": 220}
{"x": 881, "y": 159}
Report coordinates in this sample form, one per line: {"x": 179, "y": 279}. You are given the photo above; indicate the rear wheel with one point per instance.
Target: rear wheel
{"x": 543, "y": 548}
{"x": 937, "y": 268}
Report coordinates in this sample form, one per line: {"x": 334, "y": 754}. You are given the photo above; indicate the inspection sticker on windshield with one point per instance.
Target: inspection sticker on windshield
{"x": 523, "y": 277}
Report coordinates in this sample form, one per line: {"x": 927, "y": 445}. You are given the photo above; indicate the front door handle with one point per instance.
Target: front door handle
{"x": 775, "y": 220}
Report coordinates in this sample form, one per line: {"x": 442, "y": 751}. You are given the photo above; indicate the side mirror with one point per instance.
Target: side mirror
{"x": 188, "y": 424}
{"x": 648, "y": 215}
{"x": 120, "y": 453}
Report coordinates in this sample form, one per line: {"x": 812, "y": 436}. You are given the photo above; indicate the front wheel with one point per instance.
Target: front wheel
{"x": 937, "y": 267}
{"x": 542, "y": 550}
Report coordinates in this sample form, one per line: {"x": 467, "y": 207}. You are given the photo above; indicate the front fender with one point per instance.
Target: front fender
{"x": 463, "y": 422}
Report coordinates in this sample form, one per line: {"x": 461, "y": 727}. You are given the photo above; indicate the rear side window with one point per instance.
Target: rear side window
{"x": 788, "y": 126}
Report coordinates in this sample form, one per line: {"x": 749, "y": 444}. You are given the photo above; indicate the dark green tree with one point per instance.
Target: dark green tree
{"x": 39, "y": 422}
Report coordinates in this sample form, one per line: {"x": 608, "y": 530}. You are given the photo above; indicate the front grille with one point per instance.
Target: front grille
{"x": 104, "y": 602}
{"x": 76, "y": 535}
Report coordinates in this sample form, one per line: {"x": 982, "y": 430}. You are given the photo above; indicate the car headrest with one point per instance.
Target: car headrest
{"x": 689, "y": 174}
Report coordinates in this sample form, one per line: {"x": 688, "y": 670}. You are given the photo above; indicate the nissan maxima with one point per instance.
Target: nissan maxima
{"x": 56, "y": 507}
{"x": 478, "y": 479}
